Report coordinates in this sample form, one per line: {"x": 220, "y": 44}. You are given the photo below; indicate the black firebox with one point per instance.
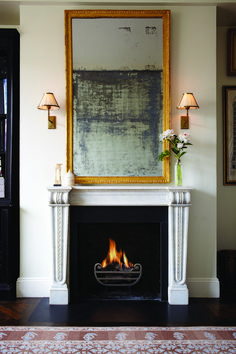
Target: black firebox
{"x": 141, "y": 232}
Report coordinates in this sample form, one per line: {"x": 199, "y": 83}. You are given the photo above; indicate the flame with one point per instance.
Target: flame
{"x": 114, "y": 256}
{"x": 126, "y": 262}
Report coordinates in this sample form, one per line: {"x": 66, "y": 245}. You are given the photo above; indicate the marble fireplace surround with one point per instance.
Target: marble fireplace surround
{"x": 177, "y": 199}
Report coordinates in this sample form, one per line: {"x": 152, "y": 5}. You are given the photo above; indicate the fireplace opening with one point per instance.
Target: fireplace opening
{"x": 139, "y": 233}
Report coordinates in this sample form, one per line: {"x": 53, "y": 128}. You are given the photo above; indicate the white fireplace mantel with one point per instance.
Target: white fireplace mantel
{"x": 177, "y": 199}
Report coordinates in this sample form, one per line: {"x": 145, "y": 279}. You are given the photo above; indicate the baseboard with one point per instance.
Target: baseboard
{"x": 33, "y": 287}
{"x": 203, "y": 287}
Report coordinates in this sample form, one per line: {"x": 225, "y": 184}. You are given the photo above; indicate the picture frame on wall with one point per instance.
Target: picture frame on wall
{"x": 229, "y": 118}
{"x": 117, "y": 95}
{"x": 231, "y": 52}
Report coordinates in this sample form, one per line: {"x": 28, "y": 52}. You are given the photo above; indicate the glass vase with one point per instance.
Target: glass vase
{"x": 178, "y": 173}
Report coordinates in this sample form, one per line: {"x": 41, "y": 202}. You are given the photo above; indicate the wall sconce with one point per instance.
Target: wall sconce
{"x": 187, "y": 102}
{"x": 48, "y": 102}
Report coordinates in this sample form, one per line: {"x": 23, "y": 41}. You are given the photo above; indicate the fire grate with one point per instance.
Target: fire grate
{"x": 120, "y": 277}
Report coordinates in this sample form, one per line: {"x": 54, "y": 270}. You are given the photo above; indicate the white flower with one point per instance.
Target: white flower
{"x": 185, "y": 137}
{"x": 177, "y": 144}
{"x": 168, "y": 134}
{"x": 180, "y": 145}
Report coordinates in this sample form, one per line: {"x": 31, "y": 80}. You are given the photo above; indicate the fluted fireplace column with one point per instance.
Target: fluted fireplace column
{"x": 59, "y": 203}
{"x": 178, "y": 220}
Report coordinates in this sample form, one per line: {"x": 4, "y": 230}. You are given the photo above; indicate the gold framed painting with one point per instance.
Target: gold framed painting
{"x": 117, "y": 95}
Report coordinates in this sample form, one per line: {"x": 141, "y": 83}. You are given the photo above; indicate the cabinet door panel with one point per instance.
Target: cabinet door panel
{"x": 9, "y": 162}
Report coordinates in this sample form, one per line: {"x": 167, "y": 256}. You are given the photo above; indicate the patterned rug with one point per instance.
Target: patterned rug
{"x": 121, "y": 340}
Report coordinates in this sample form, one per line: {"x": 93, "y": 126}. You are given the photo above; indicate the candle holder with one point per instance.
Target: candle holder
{"x": 57, "y": 181}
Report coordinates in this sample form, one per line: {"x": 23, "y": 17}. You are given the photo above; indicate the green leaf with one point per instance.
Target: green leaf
{"x": 184, "y": 152}
{"x": 163, "y": 155}
{"x": 170, "y": 141}
{"x": 176, "y": 151}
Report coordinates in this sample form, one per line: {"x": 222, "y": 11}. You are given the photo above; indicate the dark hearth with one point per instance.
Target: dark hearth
{"x": 141, "y": 232}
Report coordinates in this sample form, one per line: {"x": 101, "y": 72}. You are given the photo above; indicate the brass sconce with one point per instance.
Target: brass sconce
{"x": 48, "y": 102}
{"x": 187, "y": 102}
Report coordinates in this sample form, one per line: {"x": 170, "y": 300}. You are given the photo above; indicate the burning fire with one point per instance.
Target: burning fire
{"x": 114, "y": 257}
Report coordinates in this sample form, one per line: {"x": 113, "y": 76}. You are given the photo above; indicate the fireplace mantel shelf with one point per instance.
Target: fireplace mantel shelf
{"x": 178, "y": 200}
{"x": 144, "y": 194}
{"x": 121, "y": 187}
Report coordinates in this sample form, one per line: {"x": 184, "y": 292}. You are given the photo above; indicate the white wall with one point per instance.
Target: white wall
{"x": 193, "y": 68}
{"x": 42, "y": 69}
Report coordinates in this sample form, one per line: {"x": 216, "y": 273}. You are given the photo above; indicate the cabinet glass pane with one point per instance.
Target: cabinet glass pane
{"x": 3, "y": 85}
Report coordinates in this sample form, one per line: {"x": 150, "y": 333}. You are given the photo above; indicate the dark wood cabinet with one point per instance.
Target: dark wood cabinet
{"x": 9, "y": 162}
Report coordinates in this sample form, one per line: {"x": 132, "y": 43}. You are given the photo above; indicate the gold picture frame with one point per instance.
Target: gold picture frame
{"x": 111, "y": 149}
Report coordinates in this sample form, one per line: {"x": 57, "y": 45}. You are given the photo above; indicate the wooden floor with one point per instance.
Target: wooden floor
{"x": 38, "y": 312}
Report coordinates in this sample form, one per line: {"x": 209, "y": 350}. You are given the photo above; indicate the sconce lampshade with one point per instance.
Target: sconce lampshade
{"x": 188, "y": 101}
{"x": 48, "y": 102}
